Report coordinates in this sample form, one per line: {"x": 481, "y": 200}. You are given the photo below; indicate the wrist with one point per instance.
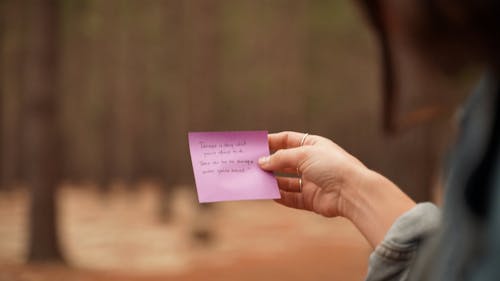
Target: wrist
{"x": 352, "y": 194}
{"x": 372, "y": 203}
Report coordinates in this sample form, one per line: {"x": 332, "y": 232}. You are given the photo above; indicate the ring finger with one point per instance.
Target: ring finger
{"x": 292, "y": 184}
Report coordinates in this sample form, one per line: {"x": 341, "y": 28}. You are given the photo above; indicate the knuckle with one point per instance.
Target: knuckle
{"x": 307, "y": 152}
{"x": 278, "y": 155}
{"x": 302, "y": 158}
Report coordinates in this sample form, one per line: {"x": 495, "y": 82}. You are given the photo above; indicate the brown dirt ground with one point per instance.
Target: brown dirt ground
{"x": 118, "y": 237}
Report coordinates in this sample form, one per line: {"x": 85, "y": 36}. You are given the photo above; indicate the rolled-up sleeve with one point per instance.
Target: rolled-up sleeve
{"x": 391, "y": 260}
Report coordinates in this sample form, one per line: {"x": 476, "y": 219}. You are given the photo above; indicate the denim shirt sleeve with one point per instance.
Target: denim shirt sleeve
{"x": 392, "y": 259}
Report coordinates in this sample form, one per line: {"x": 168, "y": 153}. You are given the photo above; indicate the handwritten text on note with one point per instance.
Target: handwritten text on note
{"x": 225, "y": 166}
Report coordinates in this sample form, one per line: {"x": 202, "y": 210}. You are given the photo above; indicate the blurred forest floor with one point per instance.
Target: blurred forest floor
{"x": 119, "y": 237}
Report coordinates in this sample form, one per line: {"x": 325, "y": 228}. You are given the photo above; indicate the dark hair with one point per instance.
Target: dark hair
{"x": 459, "y": 27}
{"x": 444, "y": 30}
{"x": 468, "y": 26}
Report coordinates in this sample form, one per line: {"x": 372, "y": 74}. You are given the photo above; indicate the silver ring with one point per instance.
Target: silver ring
{"x": 303, "y": 139}
{"x": 298, "y": 172}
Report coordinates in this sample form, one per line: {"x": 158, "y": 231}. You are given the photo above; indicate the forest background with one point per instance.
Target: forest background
{"x": 97, "y": 98}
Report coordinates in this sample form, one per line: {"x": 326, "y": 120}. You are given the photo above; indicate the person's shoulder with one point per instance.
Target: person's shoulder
{"x": 484, "y": 94}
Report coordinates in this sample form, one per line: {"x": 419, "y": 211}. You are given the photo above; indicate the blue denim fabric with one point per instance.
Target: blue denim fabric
{"x": 466, "y": 244}
{"x": 392, "y": 259}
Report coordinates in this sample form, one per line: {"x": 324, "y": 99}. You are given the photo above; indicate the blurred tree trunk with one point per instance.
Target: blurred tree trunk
{"x": 104, "y": 49}
{"x": 12, "y": 87}
{"x": 203, "y": 78}
{"x": 42, "y": 132}
{"x": 2, "y": 96}
{"x": 287, "y": 61}
{"x": 106, "y": 138}
{"x": 202, "y": 43}
{"x": 174, "y": 104}
{"x": 18, "y": 138}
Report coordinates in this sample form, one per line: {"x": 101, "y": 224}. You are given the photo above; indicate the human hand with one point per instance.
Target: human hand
{"x": 334, "y": 183}
{"x": 325, "y": 168}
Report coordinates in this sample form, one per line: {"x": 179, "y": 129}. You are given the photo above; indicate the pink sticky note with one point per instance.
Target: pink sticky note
{"x": 225, "y": 166}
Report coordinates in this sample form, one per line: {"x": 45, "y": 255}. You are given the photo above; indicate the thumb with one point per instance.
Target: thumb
{"x": 283, "y": 159}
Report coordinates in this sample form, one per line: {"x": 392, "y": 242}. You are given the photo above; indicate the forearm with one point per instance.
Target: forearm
{"x": 373, "y": 203}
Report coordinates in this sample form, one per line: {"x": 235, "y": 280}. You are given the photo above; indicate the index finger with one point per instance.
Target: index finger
{"x": 285, "y": 140}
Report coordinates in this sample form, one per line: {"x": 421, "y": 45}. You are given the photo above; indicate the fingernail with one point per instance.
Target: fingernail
{"x": 263, "y": 160}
